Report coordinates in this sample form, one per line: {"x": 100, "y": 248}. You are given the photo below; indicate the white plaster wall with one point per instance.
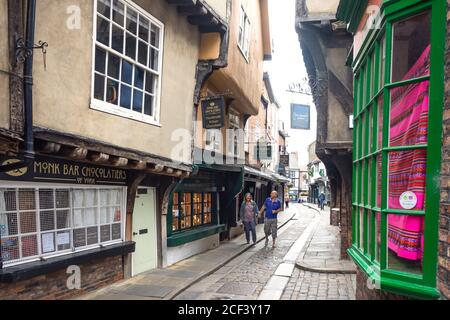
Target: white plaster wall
{"x": 176, "y": 254}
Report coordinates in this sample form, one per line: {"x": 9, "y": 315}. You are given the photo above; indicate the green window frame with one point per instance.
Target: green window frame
{"x": 372, "y": 92}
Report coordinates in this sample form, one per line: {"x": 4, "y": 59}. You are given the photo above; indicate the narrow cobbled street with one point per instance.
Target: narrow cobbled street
{"x": 264, "y": 272}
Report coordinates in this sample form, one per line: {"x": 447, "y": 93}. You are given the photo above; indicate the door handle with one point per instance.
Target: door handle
{"x": 135, "y": 233}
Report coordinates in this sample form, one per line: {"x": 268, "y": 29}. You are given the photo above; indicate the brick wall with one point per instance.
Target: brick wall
{"x": 444, "y": 220}
{"x": 364, "y": 293}
{"x": 94, "y": 275}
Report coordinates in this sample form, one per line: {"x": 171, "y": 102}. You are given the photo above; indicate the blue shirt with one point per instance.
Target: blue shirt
{"x": 271, "y": 206}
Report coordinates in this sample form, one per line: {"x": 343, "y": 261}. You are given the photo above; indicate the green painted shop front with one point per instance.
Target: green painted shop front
{"x": 398, "y": 102}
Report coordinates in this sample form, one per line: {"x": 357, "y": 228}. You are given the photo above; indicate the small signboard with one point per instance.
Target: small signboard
{"x": 213, "y": 111}
{"x": 284, "y": 160}
{"x": 300, "y": 116}
{"x": 263, "y": 151}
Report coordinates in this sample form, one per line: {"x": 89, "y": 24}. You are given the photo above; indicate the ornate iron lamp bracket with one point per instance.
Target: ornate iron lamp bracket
{"x": 23, "y": 52}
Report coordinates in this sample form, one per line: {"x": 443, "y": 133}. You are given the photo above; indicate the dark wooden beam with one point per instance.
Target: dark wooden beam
{"x": 192, "y": 10}
{"x": 76, "y": 153}
{"x": 48, "y": 147}
{"x": 206, "y": 20}
{"x": 137, "y": 164}
{"x": 183, "y": 2}
{"x": 118, "y": 161}
{"x": 98, "y": 157}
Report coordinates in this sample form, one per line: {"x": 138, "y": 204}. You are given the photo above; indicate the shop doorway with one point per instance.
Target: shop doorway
{"x": 145, "y": 256}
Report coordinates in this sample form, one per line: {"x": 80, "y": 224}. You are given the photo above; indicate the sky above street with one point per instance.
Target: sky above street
{"x": 287, "y": 67}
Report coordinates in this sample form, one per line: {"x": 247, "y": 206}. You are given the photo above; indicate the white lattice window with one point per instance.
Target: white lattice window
{"x": 244, "y": 34}
{"x": 42, "y": 222}
{"x": 128, "y": 45}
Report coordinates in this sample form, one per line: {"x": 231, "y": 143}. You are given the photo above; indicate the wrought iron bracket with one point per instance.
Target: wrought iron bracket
{"x": 23, "y": 52}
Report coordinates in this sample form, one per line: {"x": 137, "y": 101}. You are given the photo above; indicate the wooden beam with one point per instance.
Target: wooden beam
{"x": 158, "y": 168}
{"x": 183, "y": 2}
{"x": 206, "y": 20}
{"x": 98, "y": 157}
{"x": 169, "y": 170}
{"x": 118, "y": 161}
{"x": 48, "y": 147}
{"x": 137, "y": 164}
{"x": 76, "y": 153}
{"x": 192, "y": 10}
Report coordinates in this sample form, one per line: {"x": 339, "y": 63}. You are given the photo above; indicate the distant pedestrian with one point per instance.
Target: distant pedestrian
{"x": 321, "y": 200}
{"x": 248, "y": 215}
{"x": 287, "y": 200}
{"x": 272, "y": 206}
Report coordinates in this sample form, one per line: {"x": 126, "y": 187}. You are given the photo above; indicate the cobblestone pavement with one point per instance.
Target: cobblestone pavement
{"x": 246, "y": 276}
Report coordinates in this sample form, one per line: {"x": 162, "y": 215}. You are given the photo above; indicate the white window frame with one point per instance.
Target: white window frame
{"x": 104, "y": 106}
{"x": 244, "y": 34}
{"x": 38, "y": 232}
{"x": 233, "y": 124}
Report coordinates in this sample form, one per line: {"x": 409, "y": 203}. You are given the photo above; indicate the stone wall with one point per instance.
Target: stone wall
{"x": 444, "y": 220}
{"x": 53, "y": 286}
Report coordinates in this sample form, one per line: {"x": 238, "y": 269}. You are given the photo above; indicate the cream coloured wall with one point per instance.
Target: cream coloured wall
{"x": 4, "y": 65}
{"x": 219, "y": 6}
{"x": 62, "y": 93}
{"x": 244, "y": 78}
{"x": 324, "y": 6}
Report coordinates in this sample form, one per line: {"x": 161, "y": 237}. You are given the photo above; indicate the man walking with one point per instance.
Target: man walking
{"x": 322, "y": 200}
{"x": 272, "y": 206}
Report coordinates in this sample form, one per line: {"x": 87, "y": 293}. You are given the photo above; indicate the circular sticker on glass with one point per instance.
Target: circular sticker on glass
{"x": 408, "y": 200}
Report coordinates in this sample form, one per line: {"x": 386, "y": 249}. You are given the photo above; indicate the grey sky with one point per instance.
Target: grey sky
{"x": 287, "y": 67}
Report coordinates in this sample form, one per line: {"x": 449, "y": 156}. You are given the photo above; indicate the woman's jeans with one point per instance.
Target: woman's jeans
{"x": 250, "y": 226}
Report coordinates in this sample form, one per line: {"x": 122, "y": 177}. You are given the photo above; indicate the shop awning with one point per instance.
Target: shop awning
{"x": 280, "y": 179}
{"x": 257, "y": 173}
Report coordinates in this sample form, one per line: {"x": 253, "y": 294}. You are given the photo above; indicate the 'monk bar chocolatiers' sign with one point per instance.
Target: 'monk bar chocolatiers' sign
{"x": 46, "y": 169}
{"x": 213, "y": 111}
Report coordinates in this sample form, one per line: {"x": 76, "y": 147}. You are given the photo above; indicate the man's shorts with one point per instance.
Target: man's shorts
{"x": 270, "y": 227}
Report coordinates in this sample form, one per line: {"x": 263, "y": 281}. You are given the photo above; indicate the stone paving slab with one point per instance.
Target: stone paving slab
{"x": 185, "y": 273}
{"x": 322, "y": 253}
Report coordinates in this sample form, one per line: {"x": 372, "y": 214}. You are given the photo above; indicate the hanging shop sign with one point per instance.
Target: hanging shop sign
{"x": 263, "y": 151}
{"x": 300, "y": 116}
{"x": 213, "y": 111}
{"x": 284, "y": 160}
{"x": 46, "y": 169}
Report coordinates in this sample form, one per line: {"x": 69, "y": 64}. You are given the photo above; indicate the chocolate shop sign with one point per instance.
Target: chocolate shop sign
{"x": 213, "y": 111}
{"x": 47, "y": 169}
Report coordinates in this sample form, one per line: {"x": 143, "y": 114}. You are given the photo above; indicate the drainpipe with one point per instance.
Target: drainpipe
{"x": 28, "y": 152}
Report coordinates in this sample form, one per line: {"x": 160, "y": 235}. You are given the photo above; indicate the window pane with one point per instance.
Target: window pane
{"x": 8, "y": 224}
{"x": 105, "y": 233}
{"x": 8, "y": 200}
{"x": 411, "y": 47}
{"x": 382, "y": 61}
{"x": 150, "y": 80}
{"x": 154, "y": 37}
{"x": 143, "y": 28}
{"x": 62, "y": 198}
{"x": 409, "y": 115}
{"x": 79, "y": 237}
{"x": 125, "y": 97}
{"x": 138, "y": 78}
{"x": 131, "y": 20}
{"x": 28, "y": 222}
{"x": 117, "y": 38}
{"x": 361, "y": 228}
{"x": 142, "y": 53}
{"x": 63, "y": 240}
{"x": 99, "y": 87}
{"x": 380, "y": 123}
{"x": 100, "y": 60}
{"x": 137, "y": 101}
{"x": 153, "y": 63}
{"x": 26, "y": 199}
{"x": 104, "y": 7}
{"x": 117, "y": 217}
{"x": 131, "y": 46}
{"x": 103, "y": 31}
{"x": 29, "y": 246}
{"x": 113, "y": 66}
{"x": 118, "y": 12}
{"x": 127, "y": 72}
{"x": 405, "y": 243}
{"x": 116, "y": 231}
{"x": 62, "y": 219}
{"x": 105, "y": 215}
{"x": 148, "y": 105}
{"x": 10, "y": 249}
{"x": 46, "y": 199}
{"x": 379, "y": 172}
{"x": 377, "y": 236}
{"x": 369, "y": 233}
{"x": 112, "y": 91}
{"x": 407, "y": 179}
{"x": 47, "y": 219}
{"x": 48, "y": 242}
{"x": 89, "y": 217}
{"x": 92, "y": 235}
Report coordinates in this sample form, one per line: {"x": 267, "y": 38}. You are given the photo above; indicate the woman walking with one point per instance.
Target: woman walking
{"x": 249, "y": 214}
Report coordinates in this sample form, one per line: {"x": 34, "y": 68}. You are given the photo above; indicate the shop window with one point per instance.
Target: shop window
{"x": 411, "y": 40}
{"x": 40, "y": 222}
{"x": 128, "y": 54}
{"x": 190, "y": 210}
{"x": 405, "y": 243}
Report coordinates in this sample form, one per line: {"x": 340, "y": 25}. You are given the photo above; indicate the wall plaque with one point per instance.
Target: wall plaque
{"x": 213, "y": 111}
